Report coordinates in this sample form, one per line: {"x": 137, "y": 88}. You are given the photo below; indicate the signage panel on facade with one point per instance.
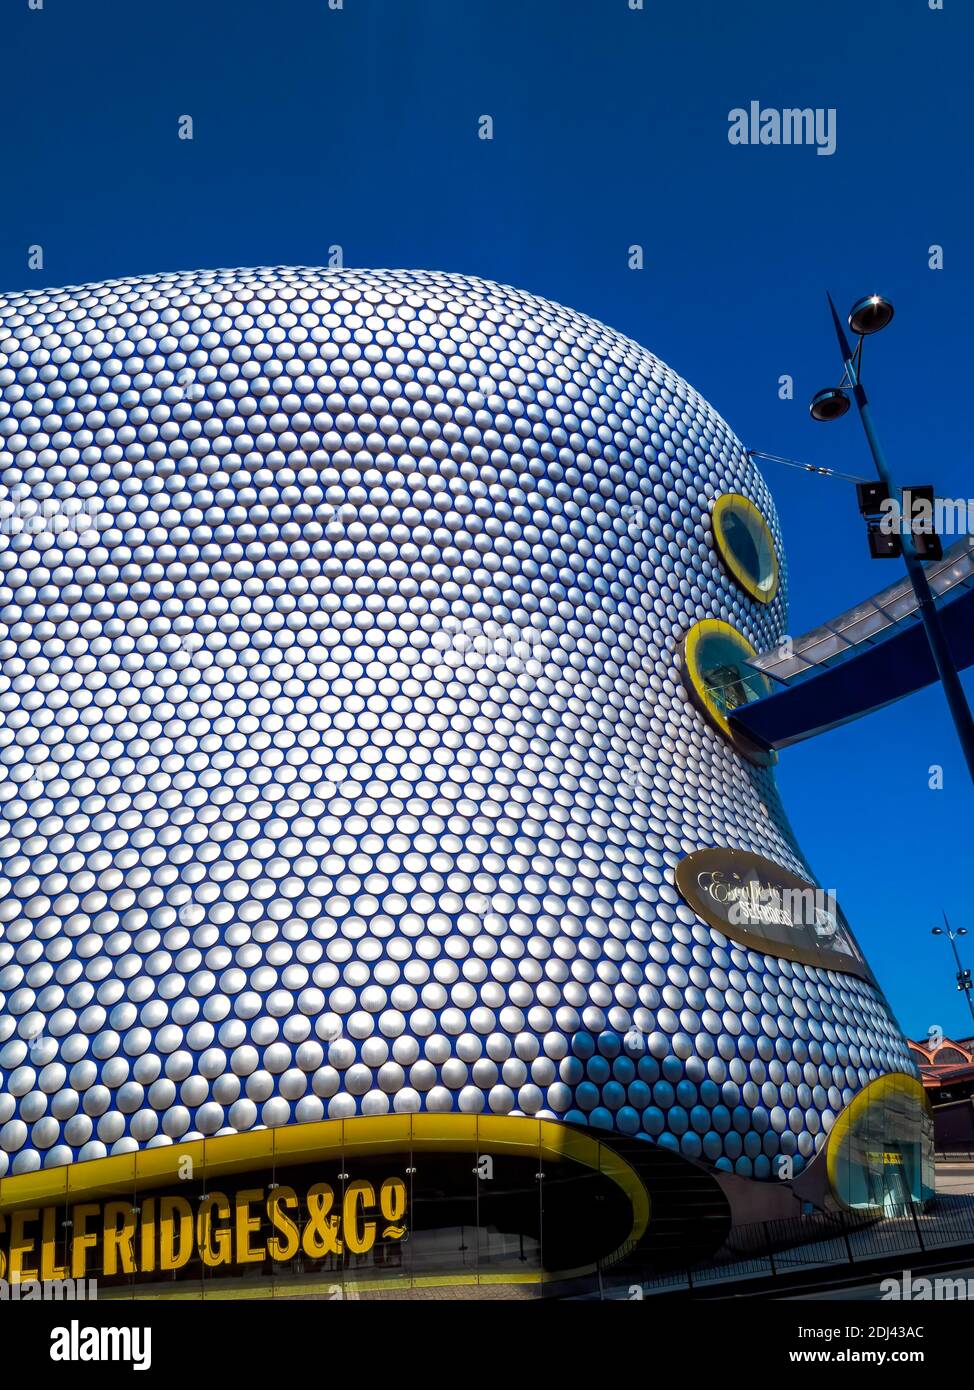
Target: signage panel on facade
{"x": 264, "y": 1223}
{"x": 759, "y": 904}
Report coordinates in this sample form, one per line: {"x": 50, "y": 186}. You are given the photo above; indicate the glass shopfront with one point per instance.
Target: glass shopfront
{"x": 880, "y": 1152}
{"x": 364, "y": 1208}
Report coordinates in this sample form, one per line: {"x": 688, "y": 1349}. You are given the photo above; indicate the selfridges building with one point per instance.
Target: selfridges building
{"x": 370, "y": 815}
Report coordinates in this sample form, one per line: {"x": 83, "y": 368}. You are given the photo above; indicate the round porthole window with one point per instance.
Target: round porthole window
{"x": 746, "y": 546}
{"x": 715, "y": 658}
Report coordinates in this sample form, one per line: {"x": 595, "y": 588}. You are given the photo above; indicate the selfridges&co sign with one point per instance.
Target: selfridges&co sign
{"x": 759, "y": 904}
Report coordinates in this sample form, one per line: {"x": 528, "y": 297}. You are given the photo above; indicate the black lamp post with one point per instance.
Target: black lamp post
{"x": 867, "y": 316}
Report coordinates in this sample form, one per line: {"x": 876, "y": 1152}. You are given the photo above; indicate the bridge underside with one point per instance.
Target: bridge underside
{"x": 872, "y": 677}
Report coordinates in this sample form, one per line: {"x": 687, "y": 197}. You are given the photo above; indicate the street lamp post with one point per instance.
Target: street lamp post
{"x": 964, "y": 983}
{"x": 869, "y": 315}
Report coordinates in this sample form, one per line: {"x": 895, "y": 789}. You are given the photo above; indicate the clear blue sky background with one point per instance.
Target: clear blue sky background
{"x": 359, "y": 127}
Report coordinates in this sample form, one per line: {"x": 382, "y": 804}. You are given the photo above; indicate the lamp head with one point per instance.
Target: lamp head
{"x": 830, "y": 404}
{"x": 870, "y": 315}
{"x": 936, "y": 931}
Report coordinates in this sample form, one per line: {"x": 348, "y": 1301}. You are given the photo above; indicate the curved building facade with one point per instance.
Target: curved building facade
{"x": 367, "y": 644}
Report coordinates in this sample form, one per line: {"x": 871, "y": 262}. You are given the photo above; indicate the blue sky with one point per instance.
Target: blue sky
{"x": 358, "y": 127}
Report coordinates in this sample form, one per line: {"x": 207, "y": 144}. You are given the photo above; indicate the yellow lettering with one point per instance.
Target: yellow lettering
{"x": 226, "y": 1230}
{"x": 221, "y": 1252}
{"x": 171, "y": 1210}
{"x": 248, "y": 1225}
{"x": 392, "y": 1199}
{"x": 50, "y": 1269}
{"x": 321, "y": 1232}
{"x": 288, "y": 1248}
{"x": 82, "y": 1240}
{"x": 21, "y": 1245}
{"x": 119, "y": 1226}
{"x": 359, "y": 1234}
{"x": 147, "y": 1236}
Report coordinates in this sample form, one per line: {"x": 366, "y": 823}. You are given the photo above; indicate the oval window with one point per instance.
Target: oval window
{"x": 716, "y": 657}
{"x": 746, "y": 546}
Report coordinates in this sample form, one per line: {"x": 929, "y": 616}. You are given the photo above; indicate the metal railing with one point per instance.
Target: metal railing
{"x": 834, "y": 1240}
{"x": 961, "y": 1152}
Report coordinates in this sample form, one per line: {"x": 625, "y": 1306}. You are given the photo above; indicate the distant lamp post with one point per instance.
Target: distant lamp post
{"x": 964, "y": 983}
{"x": 870, "y": 315}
